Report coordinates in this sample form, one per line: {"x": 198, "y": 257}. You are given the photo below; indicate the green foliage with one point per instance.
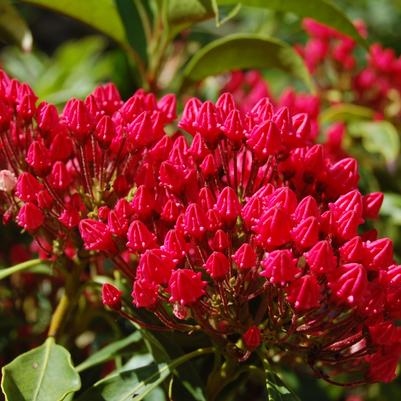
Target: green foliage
{"x": 378, "y": 137}
{"x": 28, "y": 265}
{"x": 13, "y": 28}
{"x": 42, "y": 374}
{"x": 136, "y": 384}
{"x": 321, "y": 10}
{"x": 73, "y": 71}
{"x": 239, "y": 51}
{"x": 345, "y": 112}
{"x": 109, "y": 352}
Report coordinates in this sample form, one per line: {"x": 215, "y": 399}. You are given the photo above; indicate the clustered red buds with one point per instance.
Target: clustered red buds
{"x": 248, "y": 231}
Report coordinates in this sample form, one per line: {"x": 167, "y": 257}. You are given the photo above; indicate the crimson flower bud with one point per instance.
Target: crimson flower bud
{"x": 161, "y": 148}
{"x": 262, "y": 111}
{"x": 78, "y": 120}
{"x": 304, "y": 293}
{"x": 185, "y": 286}
{"x": 107, "y": 98}
{"x": 379, "y": 254}
{"x": 144, "y": 293}
{"x": 264, "y": 140}
{"x": 343, "y": 175}
{"x": 245, "y": 257}
{"x": 172, "y": 176}
{"x": 38, "y": 157}
{"x": 139, "y": 237}
{"x": 30, "y": 217}
{"x": 189, "y": 115}
{"x": 228, "y": 206}
{"x": 69, "y": 218}
{"x": 280, "y": 267}
{"x": 347, "y": 225}
{"x": 208, "y": 166}
{"x": 59, "y": 177}
{"x": 217, "y": 265}
{"x": 105, "y": 131}
{"x": 206, "y": 122}
{"x": 175, "y": 245}
{"x": 27, "y": 187}
{"x": 198, "y": 149}
{"x": 195, "y": 221}
{"x": 220, "y": 241}
{"x": 143, "y": 202}
{"x": 353, "y": 250}
{"x": 371, "y": 204}
{"x": 225, "y": 104}
{"x": 283, "y": 197}
{"x": 156, "y": 266}
{"x": 61, "y": 147}
{"x": 96, "y": 236}
{"x": 252, "y": 338}
{"x": 170, "y": 211}
{"x": 306, "y": 208}
{"x": 117, "y": 223}
{"x": 140, "y": 131}
{"x": 306, "y": 233}
{"x": 349, "y": 283}
{"x": 167, "y": 106}
{"x": 111, "y": 296}
{"x": 233, "y": 126}
{"x": 47, "y": 117}
{"x": 321, "y": 258}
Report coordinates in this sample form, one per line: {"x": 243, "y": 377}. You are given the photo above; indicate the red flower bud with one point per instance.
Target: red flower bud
{"x": 185, "y": 286}
{"x": 252, "y": 338}
{"x": 111, "y": 296}
{"x": 217, "y": 265}
{"x": 30, "y": 217}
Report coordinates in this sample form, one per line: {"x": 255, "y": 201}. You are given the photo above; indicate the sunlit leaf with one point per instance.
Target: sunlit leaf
{"x": 345, "y": 112}
{"x": 323, "y": 11}
{"x": 240, "y": 51}
{"x": 13, "y": 28}
{"x": 42, "y": 374}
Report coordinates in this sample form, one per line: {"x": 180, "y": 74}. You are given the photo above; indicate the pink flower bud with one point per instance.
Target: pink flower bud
{"x": 111, "y": 296}
{"x": 8, "y": 181}
{"x": 264, "y": 140}
{"x": 144, "y": 293}
{"x": 96, "y": 236}
{"x": 321, "y": 258}
{"x": 371, "y": 204}
{"x": 217, "y": 265}
{"x": 139, "y": 237}
{"x": 304, "y": 293}
{"x": 30, "y": 217}
{"x": 78, "y": 120}
{"x": 185, "y": 286}
{"x": 252, "y": 338}
{"x": 280, "y": 267}
{"x": 227, "y": 206}
{"x": 195, "y": 221}
{"x": 245, "y": 257}
{"x": 27, "y": 187}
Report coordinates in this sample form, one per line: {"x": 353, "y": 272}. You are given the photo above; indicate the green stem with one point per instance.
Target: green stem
{"x": 20, "y": 267}
{"x": 67, "y": 301}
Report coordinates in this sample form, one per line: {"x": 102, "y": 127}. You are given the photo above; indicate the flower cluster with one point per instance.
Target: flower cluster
{"x": 238, "y": 225}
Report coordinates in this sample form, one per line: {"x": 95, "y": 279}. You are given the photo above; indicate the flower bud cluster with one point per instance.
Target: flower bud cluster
{"x": 239, "y": 226}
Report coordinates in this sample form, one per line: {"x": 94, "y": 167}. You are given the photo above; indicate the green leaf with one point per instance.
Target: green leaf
{"x": 182, "y": 14}
{"x": 323, "y": 11}
{"x": 133, "y": 26}
{"x": 346, "y": 112}
{"x": 377, "y": 137}
{"x": 392, "y": 207}
{"x": 13, "y": 28}
{"x": 230, "y": 13}
{"x": 30, "y": 264}
{"x": 136, "y": 384}
{"x": 277, "y": 390}
{"x": 240, "y": 51}
{"x": 42, "y": 374}
{"x": 101, "y": 15}
{"x": 109, "y": 352}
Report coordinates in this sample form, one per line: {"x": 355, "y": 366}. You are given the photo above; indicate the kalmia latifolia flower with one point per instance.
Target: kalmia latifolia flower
{"x": 239, "y": 225}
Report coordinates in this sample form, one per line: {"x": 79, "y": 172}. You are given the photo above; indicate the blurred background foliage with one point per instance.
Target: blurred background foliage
{"x": 69, "y": 59}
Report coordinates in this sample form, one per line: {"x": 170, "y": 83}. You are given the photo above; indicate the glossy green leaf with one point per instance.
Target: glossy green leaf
{"x": 13, "y": 28}
{"x": 109, "y": 352}
{"x": 378, "y": 137}
{"x": 345, "y": 112}
{"x": 101, "y": 15}
{"x": 240, "y": 51}
{"x": 392, "y": 207}
{"x": 136, "y": 384}
{"x": 28, "y": 265}
{"x": 230, "y": 13}
{"x": 133, "y": 26}
{"x": 323, "y": 11}
{"x": 182, "y": 14}
{"x": 42, "y": 374}
{"x": 277, "y": 390}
